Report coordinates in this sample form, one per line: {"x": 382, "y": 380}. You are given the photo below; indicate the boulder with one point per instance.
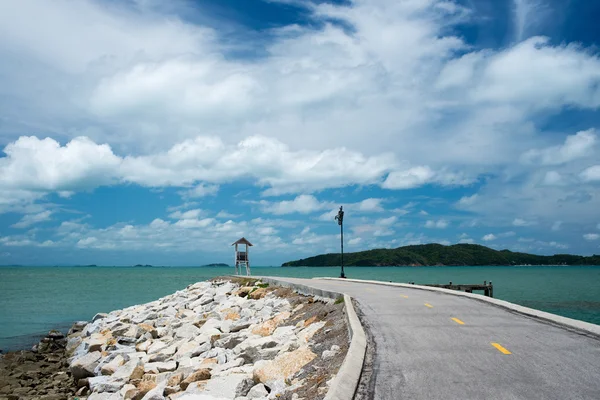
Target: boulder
{"x": 156, "y": 347}
{"x": 100, "y": 384}
{"x": 99, "y": 316}
{"x": 257, "y": 392}
{"x": 157, "y": 367}
{"x": 187, "y": 331}
{"x": 110, "y": 367}
{"x": 204, "y": 347}
{"x": 128, "y": 391}
{"x": 307, "y": 333}
{"x": 283, "y": 366}
{"x": 258, "y": 293}
{"x": 84, "y": 366}
{"x": 143, "y": 388}
{"x": 149, "y": 329}
{"x": 228, "y": 386}
{"x": 200, "y": 375}
{"x": 131, "y": 370}
{"x": 157, "y": 393}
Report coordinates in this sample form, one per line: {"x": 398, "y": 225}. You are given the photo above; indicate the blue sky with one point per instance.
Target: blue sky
{"x": 139, "y": 132}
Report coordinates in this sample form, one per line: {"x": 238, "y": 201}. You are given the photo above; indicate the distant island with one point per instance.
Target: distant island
{"x": 437, "y": 254}
{"x": 216, "y": 265}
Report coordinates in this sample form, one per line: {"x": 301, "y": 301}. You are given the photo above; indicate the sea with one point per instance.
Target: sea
{"x": 34, "y": 300}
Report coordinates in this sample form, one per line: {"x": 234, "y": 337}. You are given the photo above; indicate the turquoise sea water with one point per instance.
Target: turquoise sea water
{"x": 34, "y": 300}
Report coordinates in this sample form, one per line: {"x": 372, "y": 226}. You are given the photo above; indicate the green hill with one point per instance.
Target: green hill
{"x": 437, "y": 254}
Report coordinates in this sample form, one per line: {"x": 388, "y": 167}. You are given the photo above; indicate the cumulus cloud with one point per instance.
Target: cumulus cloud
{"x": 522, "y": 222}
{"x": 591, "y": 174}
{"x": 489, "y": 237}
{"x": 439, "y": 224}
{"x": 591, "y": 236}
{"x": 303, "y": 204}
{"x": 200, "y": 190}
{"x": 576, "y": 146}
{"x": 388, "y": 95}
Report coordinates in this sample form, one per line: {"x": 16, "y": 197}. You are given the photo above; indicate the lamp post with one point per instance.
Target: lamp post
{"x": 340, "y": 219}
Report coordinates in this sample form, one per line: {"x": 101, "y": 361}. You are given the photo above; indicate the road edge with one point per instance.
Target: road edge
{"x": 346, "y": 381}
{"x": 572, "y": 324}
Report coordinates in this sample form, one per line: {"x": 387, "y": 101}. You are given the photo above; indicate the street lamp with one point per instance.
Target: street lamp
{"x": 340, "y": 219}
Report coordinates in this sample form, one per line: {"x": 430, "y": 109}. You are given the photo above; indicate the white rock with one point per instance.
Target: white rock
{"x": 110, "y": 367}
{"x": 102, "y": 384}
{"x": 187, "y": 331}
{"x": 227, "y": 386}
{"x": 257, "y": 392}
{"x": 124, "y": 371}
{"x": 156, "y": 347}
{"x": 84, "y": 366}
{"x": 156, "y": 393}
{"x": 210, "y": 325}
{"x": 104, "y": 396}
{"x": 157, "y": 367}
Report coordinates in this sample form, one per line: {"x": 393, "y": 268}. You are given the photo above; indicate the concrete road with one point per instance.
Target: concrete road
{"x": 438, "y": 346}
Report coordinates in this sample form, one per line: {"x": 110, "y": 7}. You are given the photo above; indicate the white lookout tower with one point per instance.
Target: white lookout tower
{"x": 241, "y": 257}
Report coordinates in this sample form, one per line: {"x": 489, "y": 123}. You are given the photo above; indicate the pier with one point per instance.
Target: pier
{"x": 486, "y": 288}
{"x": 432, "y": 343}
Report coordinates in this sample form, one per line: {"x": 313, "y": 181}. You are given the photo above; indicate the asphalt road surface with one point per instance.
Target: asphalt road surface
{"x": 438, "y": 346}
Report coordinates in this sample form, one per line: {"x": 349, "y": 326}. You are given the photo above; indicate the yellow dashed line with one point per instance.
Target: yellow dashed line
{"x": 501, "y": 349}
{"x": 458, "y": 321}
{"x": 403, "y": 295}
{"x": 428, "y": 305}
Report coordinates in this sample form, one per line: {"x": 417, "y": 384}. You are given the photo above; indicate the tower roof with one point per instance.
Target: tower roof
{"x": 242, "y": 241}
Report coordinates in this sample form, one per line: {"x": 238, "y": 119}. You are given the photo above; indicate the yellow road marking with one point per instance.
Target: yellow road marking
{"x": 458, "y": 321}
{"x": 501, "y": 349}
{"x": 428, "y": 305}
{"x": 403, "y": 295}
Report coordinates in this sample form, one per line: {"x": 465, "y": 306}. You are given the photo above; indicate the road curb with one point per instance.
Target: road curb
{"x": 569, "y": 323}
{"x": 345, "y": 383}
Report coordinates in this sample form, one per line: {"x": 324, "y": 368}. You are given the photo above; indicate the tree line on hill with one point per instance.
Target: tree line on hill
{"x": 437, "y": 254}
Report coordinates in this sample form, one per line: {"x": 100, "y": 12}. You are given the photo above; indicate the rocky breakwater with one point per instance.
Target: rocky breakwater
{"x": 212, "y": 341}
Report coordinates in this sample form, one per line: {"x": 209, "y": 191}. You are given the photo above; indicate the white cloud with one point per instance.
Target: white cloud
{"x": 194, "y": 223}
{"x": 591, "y": 174}
{"x": 439, "y": 224}
{"x": 266, "y": 230}
{"x": 387, "y": 221}
{"x": 591, "y": 236}
{"x": 466, "y": 241}
{"x": 367, "y": 205}
{"x": 489, "y": 237}
{"x": 522, "y": 222}
{"x": 201, "y": 190}
{"x": 31, "y": 219}
{"x": 159, "y": 101}
{"x": 576, "y": 146}
{"x": 468, "y": 200}
{"x": 189, "y": 214}
{"x": 354, "y": 241}
{"x": 422, "y": 175}
{"x": 304, "y": 204}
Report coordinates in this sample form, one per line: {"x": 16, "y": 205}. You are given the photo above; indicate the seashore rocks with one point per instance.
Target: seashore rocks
{"x": 216, "y": 340}
{"x": 41, "y": 373}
